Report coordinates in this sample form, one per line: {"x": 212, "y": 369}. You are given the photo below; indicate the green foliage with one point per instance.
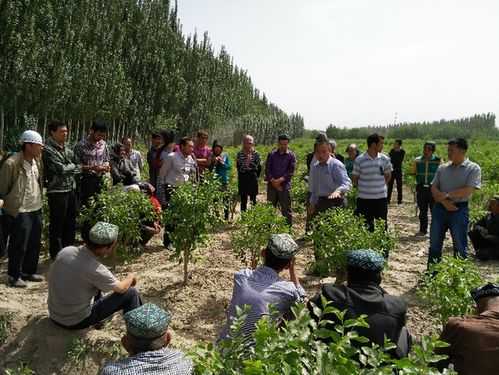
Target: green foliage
{"x": 5, "y": 325}
{"x": 21, "y": 369}
{"x": 79, "y": 349}
{"x": 477, "y": 126}
{"x": 297, "y": 348}
{"x": 335, "y": 232}
{"x": 480, "y": 200}
{"x": 127, "y": 210}
{"x": 128, "y": 62}
{"x": 254, "y": 229}
{"x": 195, "y": 209}
{"x": 446, "y": 287}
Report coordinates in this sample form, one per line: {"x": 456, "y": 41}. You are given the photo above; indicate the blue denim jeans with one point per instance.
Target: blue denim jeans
{"x": 457, "y": 222}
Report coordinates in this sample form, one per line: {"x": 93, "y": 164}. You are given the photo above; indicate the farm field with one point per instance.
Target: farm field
{"x": 198, "y": 308}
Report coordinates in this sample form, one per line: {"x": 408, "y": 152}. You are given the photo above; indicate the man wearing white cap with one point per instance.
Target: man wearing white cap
{"x": 21, "y": 190}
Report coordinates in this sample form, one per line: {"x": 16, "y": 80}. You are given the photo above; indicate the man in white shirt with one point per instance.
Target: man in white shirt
{"x": 371, "y": 172}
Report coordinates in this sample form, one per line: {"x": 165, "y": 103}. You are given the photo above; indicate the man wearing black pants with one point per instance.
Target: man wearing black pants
{"x": 371, "y": 171}
{"x": 397, "y": 155}
{"x": 60, "y": 171}
{"x": 92, "y": 155}
{"x": 424, "y": 168}
{"x": 78, "y": 279}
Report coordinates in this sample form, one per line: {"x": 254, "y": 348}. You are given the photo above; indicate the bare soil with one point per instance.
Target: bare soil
{"x": 198, "y": 308}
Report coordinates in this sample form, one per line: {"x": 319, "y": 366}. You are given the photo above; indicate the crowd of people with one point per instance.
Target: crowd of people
{"x": 83, "y": 292}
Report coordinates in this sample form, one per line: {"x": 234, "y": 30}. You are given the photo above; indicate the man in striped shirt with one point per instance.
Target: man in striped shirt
{"x": 371, "y": 172}
{"x": 263, "y": 286}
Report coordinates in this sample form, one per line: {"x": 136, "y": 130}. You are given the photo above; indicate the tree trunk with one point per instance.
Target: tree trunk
{"x": 44, "y": 131}
{"x": 186, "y": 266}
{"x": 2, "y": 127}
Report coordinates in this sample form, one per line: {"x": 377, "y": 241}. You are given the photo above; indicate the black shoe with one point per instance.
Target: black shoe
{"x": 17, "y": 283}
{"x": 34, "y": 278}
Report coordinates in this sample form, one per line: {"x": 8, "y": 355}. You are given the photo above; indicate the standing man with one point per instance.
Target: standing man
{"x": 397, "y": 154}
{"x": 371, "y": 172}
{"x": 328, "y": 182}
{"x": 452, "y": 187}
{"x": 93, "y": 156}
{"x": 202, "y": 151}
{"x": 180, "y": 167}
{"x": 21, "y": 189}
{"x": 60, "y": 172}
{"x": 134, "y": 156}
{"x": 153, "y": 160}
{"x": 249, "y": 168}
{"x": 424, "y": 168}
{"x": 279, "y": 169}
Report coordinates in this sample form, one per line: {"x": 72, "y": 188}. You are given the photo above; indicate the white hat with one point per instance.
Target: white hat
{"x": 31, "y": 136}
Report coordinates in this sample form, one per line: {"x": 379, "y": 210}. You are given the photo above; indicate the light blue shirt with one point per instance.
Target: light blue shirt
{"x": 326, "y": 178}
{"x": 260, "y": 288}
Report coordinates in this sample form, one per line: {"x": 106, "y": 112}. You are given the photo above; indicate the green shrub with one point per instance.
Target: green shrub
{"x": 480, "y": 199}
{"x": 127, "y": 210}
{"x": 194, "y": 210}
{"x": 21, "y": 369}
{"x": 446, "y": 287}
{"x": 296, "y": 348}
{"x": 254, "y": 228}
{"x": 5, "y": 325}
{"x": 335, "y": 232}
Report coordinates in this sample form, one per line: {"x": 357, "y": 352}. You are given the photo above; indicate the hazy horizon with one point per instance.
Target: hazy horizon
{"x": 357, "y": 63}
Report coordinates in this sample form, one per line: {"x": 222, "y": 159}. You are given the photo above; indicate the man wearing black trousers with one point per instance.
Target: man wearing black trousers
{"x": 424, "y": 168}
{"x": 60, "y": 171}
{"x": 397, "y": 155}
{"x": 371, "y": 172}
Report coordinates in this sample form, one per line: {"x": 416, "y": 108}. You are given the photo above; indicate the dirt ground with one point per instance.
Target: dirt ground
{"x": 198, "y": 309}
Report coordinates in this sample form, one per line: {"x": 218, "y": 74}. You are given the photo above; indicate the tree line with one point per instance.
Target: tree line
{"x": 127, "y": 62}
{"x": 477, "y": 126}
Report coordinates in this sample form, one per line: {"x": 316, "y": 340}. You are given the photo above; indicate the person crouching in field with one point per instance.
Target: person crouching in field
{"x": 77, "y": 278}
{"x": 452, "y": 187}
{"x": 263, "y": 286}
{"x": 363, "y": 295}
{"x": 485, "y": 233}
{"x": 147, "y": 340}
{"x": 474, "y": 340}
{"x": 328, "y": 180}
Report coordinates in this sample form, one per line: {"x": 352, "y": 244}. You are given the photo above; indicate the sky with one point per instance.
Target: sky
{"x": 360, "y": 62}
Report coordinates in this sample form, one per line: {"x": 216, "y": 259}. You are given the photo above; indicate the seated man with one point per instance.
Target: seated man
{"x": 363, "y": 294}
{"x": 77, "y": 278}
{"x": 485, "y": 233}
{"x": 146, "y": 340}
{"x": 474, "y": 340}
{"x": 262, "y": 286}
